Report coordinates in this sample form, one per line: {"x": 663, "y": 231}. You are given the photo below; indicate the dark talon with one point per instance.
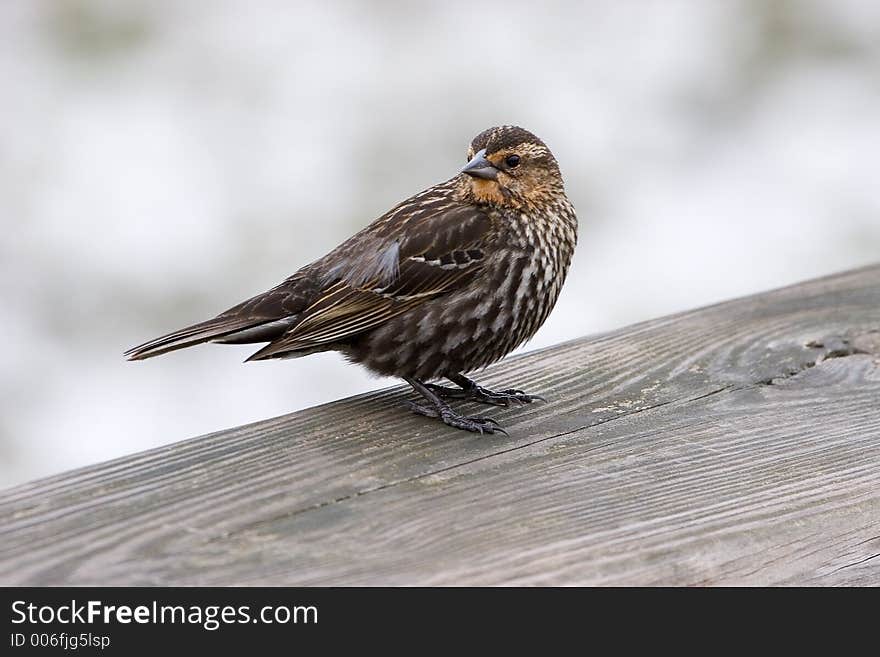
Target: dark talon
{"x": 481, "y": 425}
{"x": 499, "y": 429}
{"x": 468, "y": 390}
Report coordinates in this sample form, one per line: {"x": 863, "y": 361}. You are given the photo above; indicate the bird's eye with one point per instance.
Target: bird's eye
{"x": 512, "y": 161}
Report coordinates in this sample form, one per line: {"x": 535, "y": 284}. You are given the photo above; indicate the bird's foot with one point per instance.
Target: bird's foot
{"x": 450, "y": 418}
{"x": 484, "y": 395}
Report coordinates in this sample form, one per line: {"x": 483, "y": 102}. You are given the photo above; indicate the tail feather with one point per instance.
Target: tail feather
{"x": 281, "y": 349}
{"x": 212, "y": 329}
{"x": 259, "y": 333}
{"x": 262, "y": 318}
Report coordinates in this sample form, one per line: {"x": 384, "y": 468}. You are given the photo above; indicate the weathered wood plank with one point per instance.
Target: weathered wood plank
{"x": 736, "y": 444}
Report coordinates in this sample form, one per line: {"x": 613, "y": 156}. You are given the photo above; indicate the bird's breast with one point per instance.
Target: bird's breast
{"x": 521, "y": 283}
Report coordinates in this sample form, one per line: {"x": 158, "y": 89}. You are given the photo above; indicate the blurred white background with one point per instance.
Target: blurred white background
{"x": 162, "y": 160}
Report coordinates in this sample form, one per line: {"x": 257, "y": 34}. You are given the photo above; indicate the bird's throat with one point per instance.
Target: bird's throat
{"x": 488, "y": 191}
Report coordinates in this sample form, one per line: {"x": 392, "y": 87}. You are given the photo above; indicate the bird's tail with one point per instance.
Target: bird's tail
{"x": 213, "y": 329}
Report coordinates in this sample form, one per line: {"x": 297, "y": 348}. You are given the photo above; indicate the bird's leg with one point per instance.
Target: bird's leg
{"x": 438, "y": 408}
{"x": 473, "y": 392}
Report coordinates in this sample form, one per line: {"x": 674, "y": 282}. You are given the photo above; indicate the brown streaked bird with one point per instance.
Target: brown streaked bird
{"x": 446, "y": 282}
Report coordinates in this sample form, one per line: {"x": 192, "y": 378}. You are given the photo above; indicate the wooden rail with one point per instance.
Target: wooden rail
{"x": 735, "y": 444}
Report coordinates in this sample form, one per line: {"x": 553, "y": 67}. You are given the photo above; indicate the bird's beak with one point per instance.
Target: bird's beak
{"x": 480, "y": 167}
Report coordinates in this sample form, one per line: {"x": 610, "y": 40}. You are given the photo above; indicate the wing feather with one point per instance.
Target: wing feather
{"x": 436, "y": 253}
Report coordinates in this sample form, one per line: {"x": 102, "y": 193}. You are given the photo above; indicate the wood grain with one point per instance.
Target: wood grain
{"x": 735, "y": 444}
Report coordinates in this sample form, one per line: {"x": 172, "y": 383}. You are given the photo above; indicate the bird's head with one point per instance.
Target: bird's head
{"x": 508, "y": 165}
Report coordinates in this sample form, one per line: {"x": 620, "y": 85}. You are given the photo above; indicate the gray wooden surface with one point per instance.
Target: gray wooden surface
{"x": 736, "y": 444}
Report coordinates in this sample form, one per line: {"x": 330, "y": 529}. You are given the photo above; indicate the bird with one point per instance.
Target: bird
{"x": 445, "y": 283}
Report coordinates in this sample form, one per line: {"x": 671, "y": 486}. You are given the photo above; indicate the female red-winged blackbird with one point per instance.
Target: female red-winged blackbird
{"x": 446, "y": 282}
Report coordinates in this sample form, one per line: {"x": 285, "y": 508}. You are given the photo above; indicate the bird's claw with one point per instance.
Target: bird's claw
{"x": 481, "y": 425}
{"x": 476, "y": 424}
{"x": 520, "y": 396}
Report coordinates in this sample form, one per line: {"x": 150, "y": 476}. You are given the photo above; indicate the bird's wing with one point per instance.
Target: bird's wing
{"x": 401, "y": 261}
